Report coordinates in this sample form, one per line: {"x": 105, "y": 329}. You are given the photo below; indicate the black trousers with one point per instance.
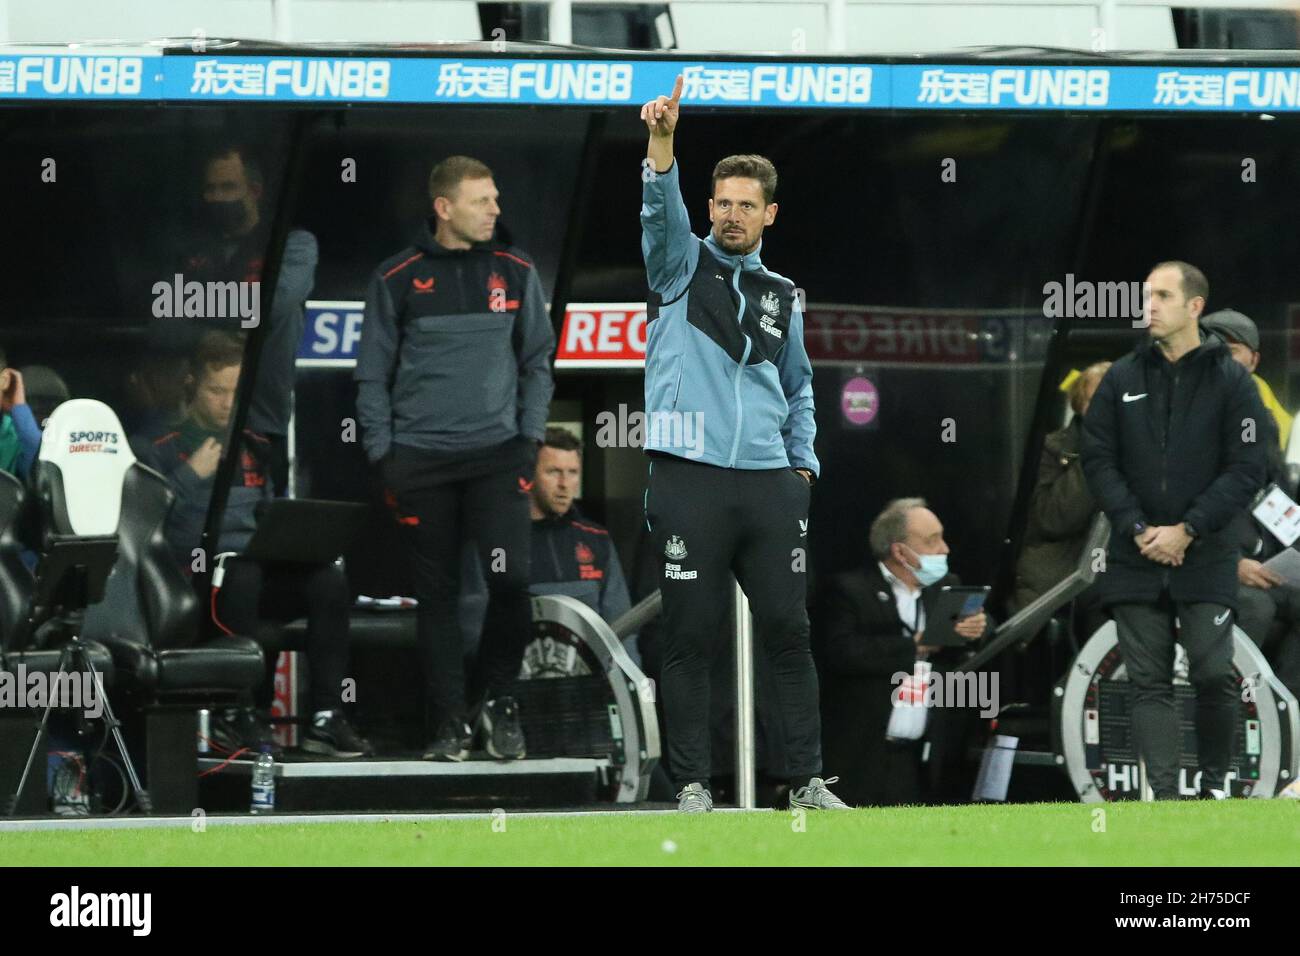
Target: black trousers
{"x": 1146, "y": 642}
{"x": 279, "y": 463}
{"x": 1257, "y": 610}
{"x": 706, "y": 524}
{"x": 440, "y": 504}
{"x": 253, "y": 592}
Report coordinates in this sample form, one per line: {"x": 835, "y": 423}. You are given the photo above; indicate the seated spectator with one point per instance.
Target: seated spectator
{"x": 1268, "y": 609}
{"x": 1242, "y": 336}
{"x": 46, "y": 391}
{"x": 875, "y": 619}
{"x": 1061, "y": 510}
{"x": 231, "y": 245}
{"x": 570, "y": 553}
{"x": 154, "y": 395}
{"x": 20, "y": 436}
{"x": 253, "y": 591}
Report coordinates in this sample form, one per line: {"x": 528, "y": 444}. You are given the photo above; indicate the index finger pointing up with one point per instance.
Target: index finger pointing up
{"x": 677, "y": 90}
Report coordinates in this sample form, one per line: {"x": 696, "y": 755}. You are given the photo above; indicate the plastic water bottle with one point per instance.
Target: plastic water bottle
{"x": 263, "y": 783}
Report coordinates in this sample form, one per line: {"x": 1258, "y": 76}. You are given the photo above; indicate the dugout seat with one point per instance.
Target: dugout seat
{"x": 149, "y": 618}
{"x": 19, "y": 644}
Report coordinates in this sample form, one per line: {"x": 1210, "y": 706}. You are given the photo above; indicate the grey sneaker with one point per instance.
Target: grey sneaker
{"x": 452, "y": 741}
{"x": 816, "y": 796}
{"x": 503, "y": 732}
{"x": 694, "y": 799}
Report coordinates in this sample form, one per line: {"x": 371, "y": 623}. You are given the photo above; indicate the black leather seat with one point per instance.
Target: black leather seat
{"x": 18, "y": 645}
{"x": 164, "y": 658}
{"x": 148, "y": 614}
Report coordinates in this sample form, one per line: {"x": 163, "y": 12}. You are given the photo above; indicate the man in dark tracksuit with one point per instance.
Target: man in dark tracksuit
{"x": 453, "y": 384}
{"x": 569, "y": 548}
{"x": 1173, "y": 450}
{"x": 729, "y": 407}
{"x": 233, "y": 248}
{"x": 249, "y": 591}
{"x": 571, "y": 554}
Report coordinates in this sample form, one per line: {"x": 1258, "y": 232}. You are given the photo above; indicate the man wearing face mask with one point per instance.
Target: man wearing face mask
{"x": 875, "y": 620}
{"x": 232, "y": 246}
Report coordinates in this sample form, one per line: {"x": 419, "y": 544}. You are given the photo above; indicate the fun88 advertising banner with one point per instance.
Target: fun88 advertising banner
{"x": 515, "y": 81}
{"x": 833, "y": 85}
{"x": 577, "y": 82}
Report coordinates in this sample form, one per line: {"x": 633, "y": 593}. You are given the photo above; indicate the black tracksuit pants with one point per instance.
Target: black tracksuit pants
{"x": 441, "y": 501}
{"x": 1146, "y": 642}
{"x": 705, "y": 524}
{"x": 253, "y": 592}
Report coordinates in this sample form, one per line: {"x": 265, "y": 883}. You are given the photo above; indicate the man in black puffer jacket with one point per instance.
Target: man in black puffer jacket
{"x": 1173, "y": 450}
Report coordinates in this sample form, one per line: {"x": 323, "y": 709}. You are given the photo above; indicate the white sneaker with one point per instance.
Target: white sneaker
{"x": 816, "y": 796}
{"x": 694, "y": 799}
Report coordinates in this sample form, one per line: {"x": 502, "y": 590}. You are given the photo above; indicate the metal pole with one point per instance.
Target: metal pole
{"x": 281, "y": 25}
{"x": 837, "y": 26}
{"x": 1108, "y": 20}
{"x": 1145, "y": 793}
{"x": 746, "y": 798}
{"x": 639, "y": 615}
{"x": 561, "y": 25}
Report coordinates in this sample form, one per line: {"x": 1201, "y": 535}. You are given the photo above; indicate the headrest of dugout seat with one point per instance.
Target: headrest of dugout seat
{"x": 82, "y": 465}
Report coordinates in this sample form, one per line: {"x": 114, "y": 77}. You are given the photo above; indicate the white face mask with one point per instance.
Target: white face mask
{"x": 934, "y": 567}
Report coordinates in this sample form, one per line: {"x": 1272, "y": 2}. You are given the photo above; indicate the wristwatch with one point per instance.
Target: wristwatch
{"x": 1191, "y": 530}
{"x": 1139, "y": 527}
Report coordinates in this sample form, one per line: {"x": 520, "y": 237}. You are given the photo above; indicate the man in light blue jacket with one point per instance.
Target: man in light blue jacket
{"x": 729, "y": 429}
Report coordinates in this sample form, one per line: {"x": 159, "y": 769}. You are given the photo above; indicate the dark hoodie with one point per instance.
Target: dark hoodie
{"x": 1166, "y": 443}
{"x": 455, "y": 351}
{"x": 249, "y": 486}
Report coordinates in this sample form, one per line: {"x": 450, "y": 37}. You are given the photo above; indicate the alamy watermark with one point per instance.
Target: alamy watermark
{"x": 1098, "y": 300}
{"x": 208, "y": 300}
{"x": 928, "y": 688}
{"x": 133, "y": 911}
{"x": 624, "y": 429}
{"x": 21, "y": 689}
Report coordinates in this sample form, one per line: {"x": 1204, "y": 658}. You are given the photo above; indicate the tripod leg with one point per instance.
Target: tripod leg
{"x": 142, "y": 798}
{"x": 36, "y": 742}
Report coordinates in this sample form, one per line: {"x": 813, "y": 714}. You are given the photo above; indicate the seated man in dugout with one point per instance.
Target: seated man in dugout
{"x": 874, "y": 630}
{"x": 251, "y": 591}
{"x": 571, "y": 554}
{"x": 1061, "y": 510}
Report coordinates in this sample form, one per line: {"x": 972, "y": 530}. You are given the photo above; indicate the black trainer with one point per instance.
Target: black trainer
{"x": 330, "y": 734}
{"x": 451, "y": 742}
{"x": 237, "y": 727}
{"x": 503, "y": 734}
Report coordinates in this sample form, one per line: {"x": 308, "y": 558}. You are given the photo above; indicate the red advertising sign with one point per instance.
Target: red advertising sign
{"x": 603, "y": 335}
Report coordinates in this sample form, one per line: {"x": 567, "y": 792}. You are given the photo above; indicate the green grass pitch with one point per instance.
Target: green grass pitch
{"x": 1231, "y": 833}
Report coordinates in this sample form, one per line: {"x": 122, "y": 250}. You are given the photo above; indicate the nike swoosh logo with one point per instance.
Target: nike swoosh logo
{"x": 1134, "y": 398}
{"x": 1221, "y": 618}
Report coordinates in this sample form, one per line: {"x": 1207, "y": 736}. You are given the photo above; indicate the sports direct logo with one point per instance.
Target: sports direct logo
{"x": 82, "y": 442}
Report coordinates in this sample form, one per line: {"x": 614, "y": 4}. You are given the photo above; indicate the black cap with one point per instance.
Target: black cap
{"x": 1234, "y": 327}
